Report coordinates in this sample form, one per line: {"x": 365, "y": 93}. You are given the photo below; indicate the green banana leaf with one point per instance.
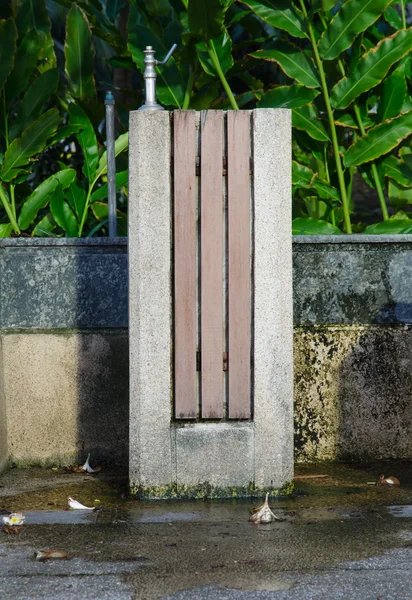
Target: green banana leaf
{"x": 31, "y": 143}
{"x": 287, "y": 96}
{"x": 398, "y": 195}
{"x": 63, "y": 214}
{"x": 379, "y": 140}
{"x": 281, "y": 14}
{"x": 206, "y": 18}
{"x": 392, "y": 95}
{"x": 372, "y": 68}
{"x": 397, "y": 170}
{"x": 8, "y": 37}
{"x": 102, "y": 192}
{"x": 76, "y": 197}
{"x": 120, "y": 145}
{"x": 5, "y": 230}
{"x": 79, "y": 53}
{"x": 304, "y": 177}
{"x": 101, "y": 211}
{"x": 87, "y": 140}
{"x": 157, "y": 8}
{"x": 45, "y": 226}
{"x": 25, "y": 62}
{"x": 353, "y": 18}
{"x": 223, "y": 47}
{"x": 39, "y": 198}
{"x": 34, "y": 100}
{"x": 309, "y": 226}
{"x": 324, "y": 5}
{"x": 307, "y": 119}
{"x": 391, "y": 226}
{"x": 33, "y": 15}
{"x": 392, "y": 17}
{"x": 292, "y": 61}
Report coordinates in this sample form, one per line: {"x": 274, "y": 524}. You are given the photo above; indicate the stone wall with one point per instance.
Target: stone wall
{"x": 64, "y": 349}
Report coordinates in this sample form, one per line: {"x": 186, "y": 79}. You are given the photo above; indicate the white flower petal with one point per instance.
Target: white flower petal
{"x": 76, "y": 505}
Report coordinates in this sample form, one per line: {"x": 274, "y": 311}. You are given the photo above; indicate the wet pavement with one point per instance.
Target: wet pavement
{"x": 340, "y": 538}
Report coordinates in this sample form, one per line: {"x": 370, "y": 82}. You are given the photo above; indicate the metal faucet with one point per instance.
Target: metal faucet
{"x": 150, "y": 77}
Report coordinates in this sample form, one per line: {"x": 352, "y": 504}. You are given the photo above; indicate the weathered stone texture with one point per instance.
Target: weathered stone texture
{"x": 66, "y": 395}
{"x": 353, "y": 393}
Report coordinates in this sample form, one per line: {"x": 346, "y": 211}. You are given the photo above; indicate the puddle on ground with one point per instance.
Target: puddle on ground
{"x": 403, "y": 510}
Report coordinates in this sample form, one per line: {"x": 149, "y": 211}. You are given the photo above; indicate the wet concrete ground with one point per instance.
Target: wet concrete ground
{"x": 339, "y": 538}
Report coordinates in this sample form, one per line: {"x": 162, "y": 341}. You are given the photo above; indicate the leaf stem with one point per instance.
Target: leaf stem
{"x": 8, "y": 209}
{"x": 216, "y": 63}
{"x": 189, "y": 88}
{"x": 403, "y": 14}
{"x": 335, "y": 144}
{"x": 6, "y": 124}
{"x": 86, "y": 208}
{"x": 374, "y": 169}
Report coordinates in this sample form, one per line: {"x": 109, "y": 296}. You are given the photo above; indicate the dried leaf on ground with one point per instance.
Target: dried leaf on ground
{"x": 42, "y": 555}
{"x": 382, "y": 481}
{"x": 263, "y": 514}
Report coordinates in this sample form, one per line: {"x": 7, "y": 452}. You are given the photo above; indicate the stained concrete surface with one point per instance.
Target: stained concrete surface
{"x": 339, "y": 539}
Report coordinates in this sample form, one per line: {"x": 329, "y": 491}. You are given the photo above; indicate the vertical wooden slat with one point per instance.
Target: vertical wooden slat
{"x": 211, "y": 198}
{"x": 185, "y": 263}
{"x": 238, "y": 149}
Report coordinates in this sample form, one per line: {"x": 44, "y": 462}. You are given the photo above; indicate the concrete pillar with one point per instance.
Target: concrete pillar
{"x": 209, "y": 458}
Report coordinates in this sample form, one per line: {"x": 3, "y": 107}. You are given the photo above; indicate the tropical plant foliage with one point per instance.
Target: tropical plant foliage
{"x": 343, "y": 67}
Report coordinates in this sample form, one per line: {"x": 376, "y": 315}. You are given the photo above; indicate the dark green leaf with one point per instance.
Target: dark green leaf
{"x": 398, "y": 195}
{"x": 308, "y": 226}
{"x": 392, "y": 95}
{"x": 293, "y": 62}
{"x": 305, "y": 178}
{"x": 101, "y": 211}
{"x": 102, "y": 192}
{"x": 204, "y": 97}
{"x": 63, "y": 133}
{"x": 288, "y": 96}
{"x": 25, "y": 62}
{"x": 34, "y": 100}
{"x": 33, "y": 16}
{"x": 32, "y": 141}
{"x": 223, "y": 47}
{"x": 113, "y": 8}
{"x": 157, "y": 8}
{"x": 45, "y": 226}
{"x": 372, "y": 68}
{"x": 379, "y": 140}
{"x": 76, "y": 197}
{"x": 397, "y": 170}
{"x": 87, "y": 140}
{"x": 307, "y": 119}
{"x": 63, "y": 214}
{"x": 391, "y": 226}
{"x": 354, "y": 17}
{"x": 206, "y": 18}
{"x": 79, "y": 53}
{"x": 281, "y": 14}
{"x": 393, "y": 18}
{"x": 8, "y": 37}
{"x": 39, "y": 198}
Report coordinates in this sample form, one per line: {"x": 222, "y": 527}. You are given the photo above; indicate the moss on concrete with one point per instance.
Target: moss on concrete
{"x": 205, "y": 490}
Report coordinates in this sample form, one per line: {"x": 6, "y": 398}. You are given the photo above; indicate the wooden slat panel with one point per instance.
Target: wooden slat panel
{"x": 238, "y": 149}
{"x": 212, "y": 264}
{"x": 185, "y": 263}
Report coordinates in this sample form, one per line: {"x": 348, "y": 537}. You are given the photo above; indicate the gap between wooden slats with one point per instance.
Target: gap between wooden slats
{"x": 238, "y": 150}
{"x": 185, "y": 264}
{"x": 211, "y": 199}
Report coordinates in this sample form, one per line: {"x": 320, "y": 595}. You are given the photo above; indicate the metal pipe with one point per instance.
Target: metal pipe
{"x": 111, "y": 164}
{"x": 150, "y": 77}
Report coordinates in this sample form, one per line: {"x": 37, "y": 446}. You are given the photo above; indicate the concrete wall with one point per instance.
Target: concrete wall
{"x": 353, "y": 356}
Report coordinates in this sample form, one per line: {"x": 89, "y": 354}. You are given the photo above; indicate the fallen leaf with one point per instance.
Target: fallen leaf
{"x": 42, "y": 555}
{"x": 11, "y": 530}
{"x": 263, "y": 514}
{"x": 78, "y": 506}
{"x": 382, "y": 481}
